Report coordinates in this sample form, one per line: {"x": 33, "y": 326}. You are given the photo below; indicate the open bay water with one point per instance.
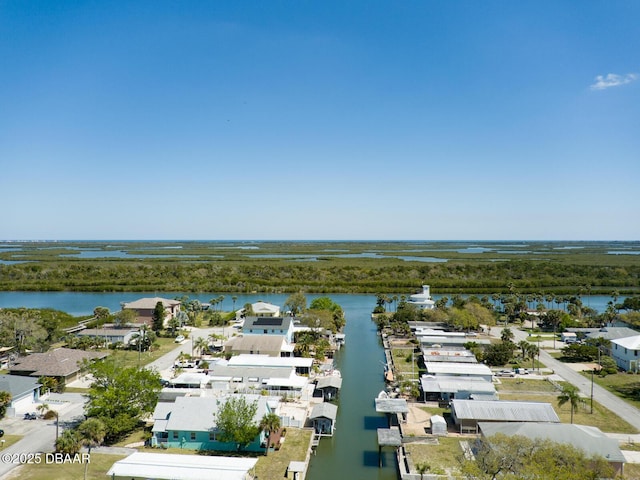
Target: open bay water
{"x": 353, "y": 450}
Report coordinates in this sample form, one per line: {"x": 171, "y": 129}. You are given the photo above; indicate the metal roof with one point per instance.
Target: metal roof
{"x": 329, "y": 381}
{"x": 391, "y": 405}
{"x": 499, "y": 410}
{"x": 449, "y": 384}
{"x": 181, "y": 467}
{"x": 389, "y": 437}
{"x": 591, "y": 440}
{"x": 327, "y": 410}
{"x": 444, "y": 368}
{"x": 631, "y": 343}
{"x": 253, "y": 360}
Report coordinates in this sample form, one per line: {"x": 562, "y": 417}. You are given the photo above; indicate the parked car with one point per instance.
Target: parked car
{"x": 179, "y": 339}
{"x": 522, "y": 371}
{"x": 1, "y": 433}
{"x": 30, "y": 416}
{"x": 506, "y": 373}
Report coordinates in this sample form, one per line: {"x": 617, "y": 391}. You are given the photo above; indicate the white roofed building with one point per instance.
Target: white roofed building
{"x": 477, "y": 370}
{"x": 626, "y": 353}
{"x": 166, "y": 466}
{"x": 446, "y": 387}
{"x": 422, "y": 300}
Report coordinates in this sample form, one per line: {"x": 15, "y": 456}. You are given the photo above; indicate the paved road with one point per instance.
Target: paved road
{"x": 165, "y": 363}
{"x": 600, "y": 395}
{"x": 39, "y": 435}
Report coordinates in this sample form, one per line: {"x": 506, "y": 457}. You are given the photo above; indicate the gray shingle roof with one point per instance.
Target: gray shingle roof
{"x": 60, "y": 362}
{"x": 17, "y": 385}
{"x": 256, "y": 343}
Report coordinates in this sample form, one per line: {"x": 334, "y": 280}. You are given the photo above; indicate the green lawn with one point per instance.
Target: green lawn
{"x": 98, "y": 468}
{"x": 520, "y": 384}
{"x": 129, "y": 358}
{"x": 624, "y": 385}
{"x": 441, "y": 458}
{"x": 404, "y": 364}
{"x": 294, "y": 448}
{"x": 603, "y": 418}
{"x": 8, "y": 440}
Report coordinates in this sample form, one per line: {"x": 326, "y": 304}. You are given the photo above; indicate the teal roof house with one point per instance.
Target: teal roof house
{"x": 190, "y": 423}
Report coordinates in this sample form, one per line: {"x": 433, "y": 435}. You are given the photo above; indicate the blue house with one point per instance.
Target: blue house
{"x": 269, "y": 326}
{"x": 190, "y": 423}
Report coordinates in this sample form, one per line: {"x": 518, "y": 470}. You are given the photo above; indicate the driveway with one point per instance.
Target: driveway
{"x": 39, "y": 435}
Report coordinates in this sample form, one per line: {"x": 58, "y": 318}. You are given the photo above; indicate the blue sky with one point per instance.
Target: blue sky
{"x": 428, "y": 120}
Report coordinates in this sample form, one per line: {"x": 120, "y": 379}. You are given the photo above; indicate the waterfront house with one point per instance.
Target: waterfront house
{"x": 590, "y": 440}
{"x": 466, "y": 414}
{"x": 144, "y": 308}
{"x": 25, "y": 393}
{"x": 272, "y": 345}
{"x": 265, "y": 309}
{"x": 281, "y": 326}
{"x": 323, "y": 418}
{"x": 275, "y": 380}
{"x": 477, "y": 370}
{"x": 448, "y": 355}
{"x": 447, "y": 387}
{"x": 626, "y": 353}
{"x": 301, "y": 364}
{"x": 432, "y": 341}
{"x": 110, "y": 335}
{"x": 167, "y": 466}
{"x": 63, "y": 364}
{"x": 190, "y": 423}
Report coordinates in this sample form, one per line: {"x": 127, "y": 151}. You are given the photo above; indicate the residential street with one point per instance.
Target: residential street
{"x": 39, "y": 435}
{"x": 600, "y": 395}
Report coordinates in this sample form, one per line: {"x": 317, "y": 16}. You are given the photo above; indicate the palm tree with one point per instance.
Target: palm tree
{"x": 42, "y": 408}
{"x": 532, "y": 352}
{"x": 507, "y": 335}
{"x": 270, "y": 423}
{"x": 91, "y": 433}
{"x": 201, "y": 344}
{"x": 234, "y": 298}
{"x": 523, "y": 345}
{"x": 213, "y": 302}
{"x": 68, "y": 442}
{"x": 570, "y": 394}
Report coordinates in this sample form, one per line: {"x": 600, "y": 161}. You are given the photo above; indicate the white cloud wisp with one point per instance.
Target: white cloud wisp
{"x": 613, "y": 80}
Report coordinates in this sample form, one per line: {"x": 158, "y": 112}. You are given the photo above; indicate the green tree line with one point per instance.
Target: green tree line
{"x": 352, "y": 276}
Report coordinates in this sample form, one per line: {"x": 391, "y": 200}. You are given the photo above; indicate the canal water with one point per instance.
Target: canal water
{"x": 353, "y": 451}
